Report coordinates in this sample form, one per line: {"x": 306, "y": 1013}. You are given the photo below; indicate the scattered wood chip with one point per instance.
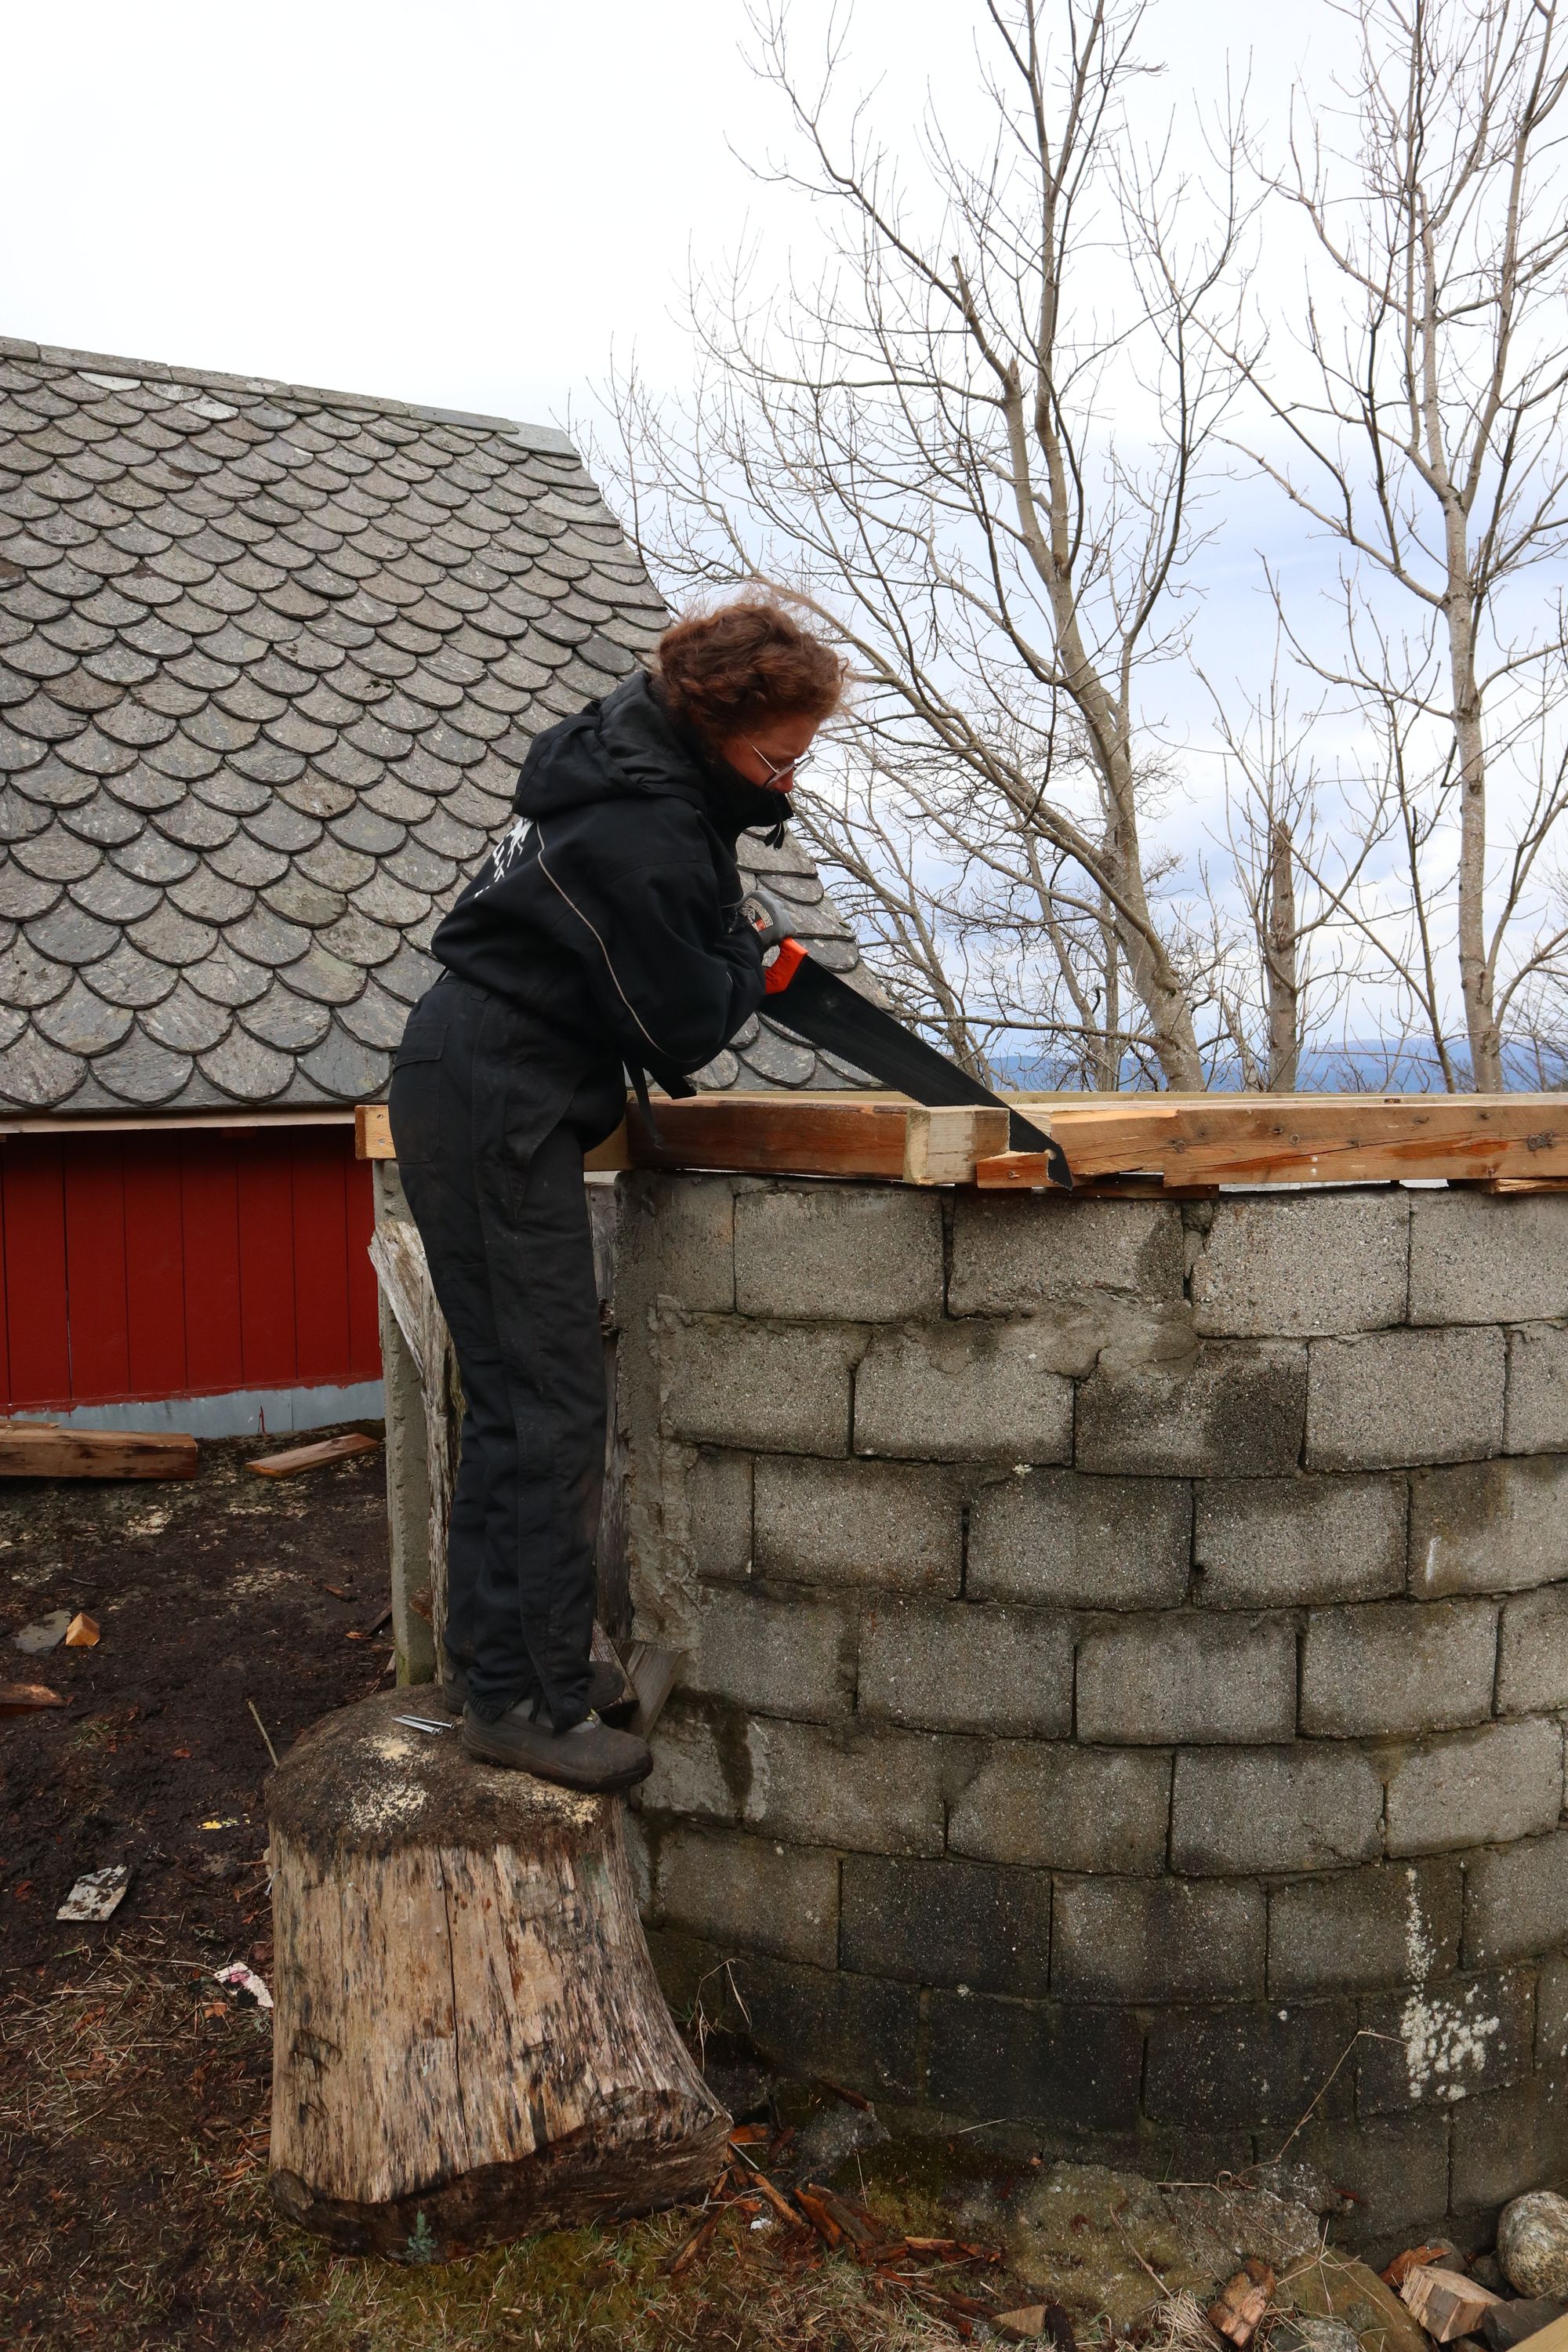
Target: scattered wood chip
{"x": 46, "y": 1634}
{"x": 1446, "y": 2304}
{"x": 1021, "y": 2327}
{"x": 311, "y": 1457}
{"x": 780, "y": 2204}
{"x": 81, "y": 1633}
{"x": 421, "y": 1602}
{"x": 49, "y": 1452}
{"x": 1243, "y": 2300}
{"x": 750, "y": 2135}
{"x": 98, "y": 1894}
{"x": 810, "y": 2204}
{"x": 682, "y": 2259}
{"x": 27, "y": 1698}
{"x": 851, "y": 2098}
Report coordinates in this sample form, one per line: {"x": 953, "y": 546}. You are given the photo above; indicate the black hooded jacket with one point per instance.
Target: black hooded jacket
{"x": 611, "y": 910}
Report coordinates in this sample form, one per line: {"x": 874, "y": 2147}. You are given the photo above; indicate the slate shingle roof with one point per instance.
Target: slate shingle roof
{"x": 270, "y": 659}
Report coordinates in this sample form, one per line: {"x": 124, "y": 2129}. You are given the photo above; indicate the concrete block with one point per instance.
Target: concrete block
{"x": 1479, "y": 1788}
{"x": 963, "y": 1923}
{"x": 1273, "y": 1808}
{"x": 1437, "y": 2045}
{"x": 1508, "y": 2143}
{"x": 795, "y": 1658}
{"x": 1155, "y": 1940}
{"x": 1301, "y": 1265}
{"x": 1516, "y": 1901}
{"x": 726, "y": 1382}
{"x": 1398, "y": 2166}
{"x": 966, "y": 1666}
{"x": 1535, "y": 1420}
{"x": 1232, "y": 1408}
{"x": 718, "y": 1502}
{"x": 872, "y": 1792}
{"x": 701, "y": 1768}
{"x": 1532, "y": 1653}
{"x": 1183, "y": 1678}
{"x": 1057, "y": 1538}
{"x": 973, "y": 1392}
{"x": 1073, "y": 2070}
{"x": 861, "y": 2031}
{"x": 1475, "y": 1259}
{"x": 1062, "y": 1807}
{"x": 1552, "y": 2017}
{"x": 854, "y": 1253}
{"x": 694, "y": 1218}
{"x": 1397, "y": 1397}
{"x": 1013, "y": 1254}
{"x": 1281, "y": 1542}
{"x": 1248, "y": 2063}
{"x": 1489, "y": 1526}
{"x": 1390, "y": 1924}
{"x": 1398, "y": 1668}
{"x": 853, "y": 1524}
{"x": 750, "y": 1893}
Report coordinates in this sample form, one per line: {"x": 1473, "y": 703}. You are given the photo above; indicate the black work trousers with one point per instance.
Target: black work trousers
{"x": 490, "y": 1120}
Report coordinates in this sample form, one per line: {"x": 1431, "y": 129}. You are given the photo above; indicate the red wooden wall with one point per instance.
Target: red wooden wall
{"x": 183, "y": 1263}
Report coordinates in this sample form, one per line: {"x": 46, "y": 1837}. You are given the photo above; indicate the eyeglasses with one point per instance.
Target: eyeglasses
{"x": 790, "y": 766}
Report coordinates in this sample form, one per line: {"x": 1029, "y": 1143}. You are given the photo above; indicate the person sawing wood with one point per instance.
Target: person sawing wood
{"x": 604, "y": 934}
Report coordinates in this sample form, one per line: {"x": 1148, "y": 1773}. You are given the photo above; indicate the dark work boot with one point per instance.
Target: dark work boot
{"x": 610, "y": 1695}
{"x": 590, "y": 1756}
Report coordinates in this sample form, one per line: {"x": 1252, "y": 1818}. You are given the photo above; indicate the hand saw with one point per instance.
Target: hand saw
{"x": 812, "y": 1002}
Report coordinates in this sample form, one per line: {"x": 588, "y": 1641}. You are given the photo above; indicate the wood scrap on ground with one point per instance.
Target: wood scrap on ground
{"x": 1243, "y": 2300}
{"x": 44, "y": 1450}
{"x": 312, "y": 1457}
{"x": 1446, "y": 2303}
{"x": 27, "y": 1699}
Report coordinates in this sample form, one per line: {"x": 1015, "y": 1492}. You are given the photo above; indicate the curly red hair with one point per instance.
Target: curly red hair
{"x": 725, "y": 671}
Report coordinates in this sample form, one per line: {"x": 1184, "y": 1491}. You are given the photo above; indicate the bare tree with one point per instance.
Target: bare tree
{"x": 974, "y": 446}
{"x": 1429, "y": 442}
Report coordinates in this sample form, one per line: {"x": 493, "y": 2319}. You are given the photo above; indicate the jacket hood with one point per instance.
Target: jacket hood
{"x": 626, "y": 744}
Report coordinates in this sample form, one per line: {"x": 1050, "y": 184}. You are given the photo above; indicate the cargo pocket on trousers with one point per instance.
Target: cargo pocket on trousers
{"x": 414, "y": 1098}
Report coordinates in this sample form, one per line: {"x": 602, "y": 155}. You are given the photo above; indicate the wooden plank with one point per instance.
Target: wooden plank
{"x": 372, "y": 1133}
{"x": 770, "y": 1134}
{"x": 1551, "y": 2338}
{"x": 942, "y": 1144}
{"x": 37, "y": 1450}
{"x": 311, "y": 1457}
{"x": 608, "y": 1158}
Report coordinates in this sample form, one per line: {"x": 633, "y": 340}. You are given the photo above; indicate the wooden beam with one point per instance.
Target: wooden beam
{"x": 372, "y": 1133}
{"x": 1300, "y": 1138}
{"x": 799, "y": 1135}
{"x": 39, "y": 1450}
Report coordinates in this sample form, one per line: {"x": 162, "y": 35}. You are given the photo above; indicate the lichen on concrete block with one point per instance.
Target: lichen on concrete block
{"x": 1489, "y": 1526}
{"x": 1477, "y": 1788}
{"x": 1387, "y": 1923}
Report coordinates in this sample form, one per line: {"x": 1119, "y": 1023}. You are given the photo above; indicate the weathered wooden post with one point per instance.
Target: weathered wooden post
{"x": 468, "y": 2042}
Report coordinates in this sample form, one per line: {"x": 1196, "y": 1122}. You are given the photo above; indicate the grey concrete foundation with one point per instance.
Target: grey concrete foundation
{"x": 1129, "y": 1662}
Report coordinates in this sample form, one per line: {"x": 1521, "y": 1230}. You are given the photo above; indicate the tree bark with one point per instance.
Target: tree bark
{"x": 470, "y": 2042}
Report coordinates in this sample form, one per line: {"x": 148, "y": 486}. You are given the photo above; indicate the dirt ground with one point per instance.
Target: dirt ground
{"x": 133, "y": 2088}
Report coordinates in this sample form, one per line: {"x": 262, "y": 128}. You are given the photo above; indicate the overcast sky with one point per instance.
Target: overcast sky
{"x": 460, "y": 204}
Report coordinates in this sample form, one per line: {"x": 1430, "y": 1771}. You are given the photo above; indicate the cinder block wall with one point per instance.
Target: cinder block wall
{"x": 1128, "y": 1663}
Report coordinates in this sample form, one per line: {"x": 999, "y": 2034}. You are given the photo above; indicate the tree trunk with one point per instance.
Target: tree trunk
{"x": 469, "y": 2043}
{"x": 1281, "y": 969}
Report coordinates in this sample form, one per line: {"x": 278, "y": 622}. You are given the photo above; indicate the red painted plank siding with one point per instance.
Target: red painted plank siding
{"x": 183, "y": 1262}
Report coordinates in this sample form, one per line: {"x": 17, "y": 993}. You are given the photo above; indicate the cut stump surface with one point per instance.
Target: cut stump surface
{"x": 470, "y": 2041}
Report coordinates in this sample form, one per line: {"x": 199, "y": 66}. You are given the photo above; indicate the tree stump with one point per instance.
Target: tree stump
{"x": 470, "y": 2041}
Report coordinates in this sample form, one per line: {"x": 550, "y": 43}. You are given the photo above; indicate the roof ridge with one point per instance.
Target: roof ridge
{"x": 545, "y": 438}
